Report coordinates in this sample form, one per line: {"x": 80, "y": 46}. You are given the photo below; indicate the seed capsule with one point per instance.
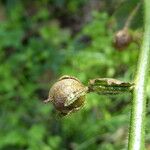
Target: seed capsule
{"x": 67, "y": 95}
{"x": 122, "y": 39}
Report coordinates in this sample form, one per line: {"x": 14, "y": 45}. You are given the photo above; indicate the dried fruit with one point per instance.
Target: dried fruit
{"x": 122, "y": 39}
{"x": 67, "y": 95}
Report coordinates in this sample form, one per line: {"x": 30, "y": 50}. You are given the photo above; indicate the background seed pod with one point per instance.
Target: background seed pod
{"x": 122, "y": 39}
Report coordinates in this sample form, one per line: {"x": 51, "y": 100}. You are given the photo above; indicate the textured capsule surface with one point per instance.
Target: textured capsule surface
{"x": 67, "y": 94}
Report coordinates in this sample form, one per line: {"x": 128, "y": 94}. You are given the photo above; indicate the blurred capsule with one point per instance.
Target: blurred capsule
{"x": 122, "y": 39}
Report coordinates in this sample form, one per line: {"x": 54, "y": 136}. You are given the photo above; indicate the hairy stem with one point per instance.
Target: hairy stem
{"x": 137, "y": 126}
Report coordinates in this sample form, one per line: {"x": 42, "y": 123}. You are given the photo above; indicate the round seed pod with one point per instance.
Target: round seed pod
{"x": 122, "y": 39}
{"x": 67, "y": 95}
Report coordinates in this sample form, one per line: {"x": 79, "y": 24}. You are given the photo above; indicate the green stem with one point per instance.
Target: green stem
{"x": 131, "y": 16}
{"x": 137, "y": 127}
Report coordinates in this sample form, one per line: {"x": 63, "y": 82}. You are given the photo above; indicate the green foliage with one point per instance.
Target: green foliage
{"x": 42, "y": 40}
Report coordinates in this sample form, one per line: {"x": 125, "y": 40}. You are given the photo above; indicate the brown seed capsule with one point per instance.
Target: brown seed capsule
{"x": 122, "y": 39}
{"x": 67, "y": 94}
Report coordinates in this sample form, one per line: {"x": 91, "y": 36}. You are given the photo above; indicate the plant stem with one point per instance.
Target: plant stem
{"x": 137, "y": 126}
{"x": 131, "y": 16}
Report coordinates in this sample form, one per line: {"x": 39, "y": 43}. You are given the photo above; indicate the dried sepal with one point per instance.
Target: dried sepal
{"x": 109, "y": 86}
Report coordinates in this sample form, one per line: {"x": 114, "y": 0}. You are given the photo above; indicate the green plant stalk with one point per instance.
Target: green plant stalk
{"x": 137, "y": 125}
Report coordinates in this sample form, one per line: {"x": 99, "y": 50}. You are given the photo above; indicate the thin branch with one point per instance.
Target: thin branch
{"x": 131, "y": 16}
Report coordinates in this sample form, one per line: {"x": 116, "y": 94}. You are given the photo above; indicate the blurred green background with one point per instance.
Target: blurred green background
{"x": 41, "y": 40}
